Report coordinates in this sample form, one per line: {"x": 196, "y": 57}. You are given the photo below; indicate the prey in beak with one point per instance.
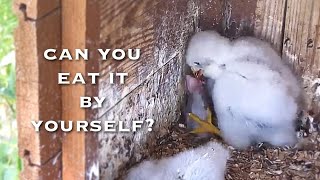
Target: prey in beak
{"x": 198, "y": 74}
{"x": 205, "y": 125}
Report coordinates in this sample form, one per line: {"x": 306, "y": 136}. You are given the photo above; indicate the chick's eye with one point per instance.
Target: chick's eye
{"x": 197, "y": 63}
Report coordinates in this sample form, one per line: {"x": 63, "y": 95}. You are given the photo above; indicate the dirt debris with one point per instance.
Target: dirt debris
{"x": 258, "y": 162}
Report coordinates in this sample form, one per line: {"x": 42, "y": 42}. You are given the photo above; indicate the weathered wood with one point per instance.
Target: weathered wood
{"x": 154, "y": 88}
{"x": 269, "y": 24}
{"x": 114, "y": 14}
{"x": 36, "y": 9}
{"x": 92, "y": 43}
{"x": 301, "y": 45}
{"x": 79, "y": 30}
{"x": 229, "y": 17}
{"x": 292, "y": 26}
{"x": 211, "y": 15}
{"x": 238, "y": 18}
{"x": 38, "y": 95}
{"x": 73, "y": 36}
{"x": 52, "y": 169}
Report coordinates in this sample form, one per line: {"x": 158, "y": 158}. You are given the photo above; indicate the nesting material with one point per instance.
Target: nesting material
{"x": 205, "y": 162}
{"x": 299, "y": 163}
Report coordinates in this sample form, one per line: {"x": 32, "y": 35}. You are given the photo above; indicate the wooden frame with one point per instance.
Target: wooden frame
{"x": 161, "y": 29}
{"x": 53, "y": 155}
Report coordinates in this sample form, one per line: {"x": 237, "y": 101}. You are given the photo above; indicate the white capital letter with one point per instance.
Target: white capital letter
{"x": 85, "y": 102}
{"x": 36, "y": 125}
{"x": 82, "y": 125}
{"x": 122, "y": 76}
{"x": 104, "y": 54}
{"x": 99, "y": 101}
{"x": 136, "y": 125}
{"x": 93, "y": 77}
{"x": 82, "y": 53}
{"x": 114, "y": 54}
{"x": 55, "y": 126}
{"x": 47, "y": 57}
{"x": 78, "y": 78}
{"x": 137, "y": 54}
{"x": 62, "y": 77}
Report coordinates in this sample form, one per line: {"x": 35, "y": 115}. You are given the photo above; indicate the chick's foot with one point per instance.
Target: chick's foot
{"x": 205, "y": 126}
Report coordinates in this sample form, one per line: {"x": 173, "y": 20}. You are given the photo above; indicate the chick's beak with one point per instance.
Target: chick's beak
{"x": 197, "y": 72}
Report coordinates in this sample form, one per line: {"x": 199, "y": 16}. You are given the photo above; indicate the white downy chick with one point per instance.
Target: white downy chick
{"x": 195, "y": 101}
{"x": 207, "y": 162}
{"x": 255, "y": 94}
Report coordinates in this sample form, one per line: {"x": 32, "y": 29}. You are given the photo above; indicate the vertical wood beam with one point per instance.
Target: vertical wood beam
{"x": 301, "y": 46}
{"x": 292, "y": 27}
{"x": 73, "y": 37}
{"x": 270, "y": 21}
{"x": 79, "y": 31}
{"x": 38, "y": 94}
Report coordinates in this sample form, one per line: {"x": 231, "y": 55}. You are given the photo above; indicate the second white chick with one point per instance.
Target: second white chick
{"x": 207, "y": 162}
{"x": 255, "y": 94}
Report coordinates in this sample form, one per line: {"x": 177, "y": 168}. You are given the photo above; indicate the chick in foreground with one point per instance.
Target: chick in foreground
{"x": 199, "y": 116}
{"x": 255, "y": 94}
{"x": 207, "y": 162}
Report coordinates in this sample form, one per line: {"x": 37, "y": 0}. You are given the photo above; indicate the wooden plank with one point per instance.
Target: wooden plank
{"x": 238, "y": 18}
{"x": 161, "y": 30}
{"x": 73, "y": 36}
{"x": 35, "y": 9}
{"x": 52, "y": 169}
{"x": 80, "y": 26}
{"x": 230, "y": 18}
{"x": 91, "y": 138}
{"x": 153, "y": 88}
{"x": 211, "y": 15}
{"x": 114, "y": 15}
{"x": 120, "y": 150}
{"x": 269, "y": 22}
{"x": 302, "y": 47}
{"x": 34, "y": 100}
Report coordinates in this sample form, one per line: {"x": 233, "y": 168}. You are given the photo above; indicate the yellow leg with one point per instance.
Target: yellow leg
{"x": 204, "y": 126}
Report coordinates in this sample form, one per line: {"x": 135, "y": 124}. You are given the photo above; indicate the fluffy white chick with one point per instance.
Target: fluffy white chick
{"x": 255, "y": 94}
{"x": 207, "y": 162}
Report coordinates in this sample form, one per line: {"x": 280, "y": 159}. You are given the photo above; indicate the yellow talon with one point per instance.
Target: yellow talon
{"x": 205, "y": 126}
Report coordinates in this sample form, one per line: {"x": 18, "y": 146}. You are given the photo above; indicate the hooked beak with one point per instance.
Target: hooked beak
{"x": 197, "y": 72}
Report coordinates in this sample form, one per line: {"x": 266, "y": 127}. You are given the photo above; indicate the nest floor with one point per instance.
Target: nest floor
{"x": 298, "y": 163}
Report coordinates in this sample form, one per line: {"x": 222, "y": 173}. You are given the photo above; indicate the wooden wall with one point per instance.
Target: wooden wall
{"x": 161, "y": 29}
{"x": 301, "y": 47}
{"x": 292, "y": 26}
{"x": 154, "y": 88}
{"x": 54, "y": 24}
{"x": 37, "y": 98}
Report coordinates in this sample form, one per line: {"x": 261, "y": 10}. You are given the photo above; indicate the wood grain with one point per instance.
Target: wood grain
{"x": 80, "y": 29}
{"x": 73, "y": 36}
{"x": 38, "y": 95}
{"x": 211, "y": 15}
{"x": 115, "y": 15}
{"x": 301, "y": 45}
{"x": 270, "y": 19}
{"x": 36, "y": 9}
{"x": 154, "y": 88}
{"x": 292, "y": 27}
{"x": 238, "y": 18}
